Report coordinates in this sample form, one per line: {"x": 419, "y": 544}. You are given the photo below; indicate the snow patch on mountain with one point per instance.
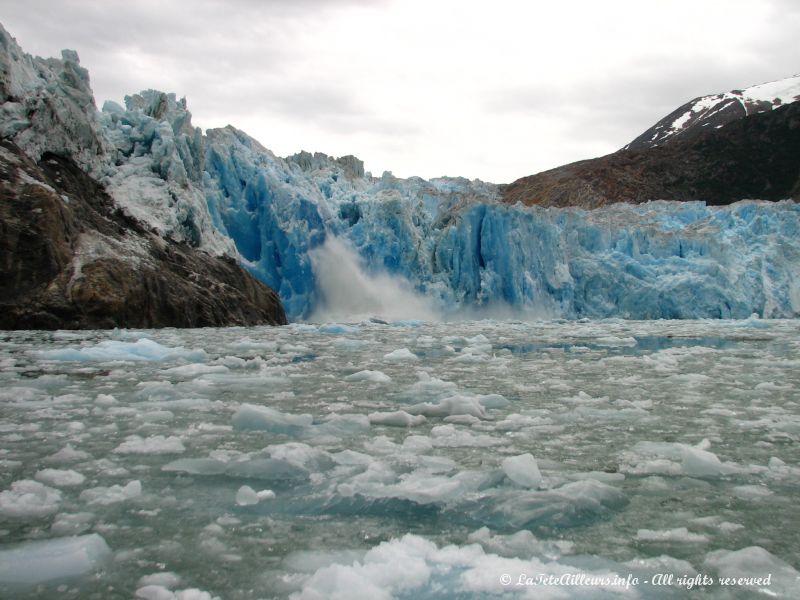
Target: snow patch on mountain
{"x": 716, "y": 110}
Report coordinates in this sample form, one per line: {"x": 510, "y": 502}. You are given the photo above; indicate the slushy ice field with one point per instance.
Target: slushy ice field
{"x": 403, "y": 460}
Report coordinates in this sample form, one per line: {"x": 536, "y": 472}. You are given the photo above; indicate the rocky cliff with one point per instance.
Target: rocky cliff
{"x": 71, "y": 255}
{"x": 71, "y": 259}
{"x": 739, "y": 155}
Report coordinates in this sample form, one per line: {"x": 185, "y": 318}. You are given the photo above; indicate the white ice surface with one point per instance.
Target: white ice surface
{"x": 112, "y": 350}
{"x": 29, "y": 499}
{"x": 31, "y": 563}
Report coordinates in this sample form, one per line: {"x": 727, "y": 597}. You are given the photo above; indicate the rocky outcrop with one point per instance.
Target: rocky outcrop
{"x": 753, "y": 157}
{"x": 69, "y": 258}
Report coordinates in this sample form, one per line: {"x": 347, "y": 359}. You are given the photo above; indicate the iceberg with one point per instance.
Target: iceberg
{"x": 264, "y": 418}
{"x": 29, "y": 564}
{"x": 523, "y": 470}
{"x": 143, "y": 349}
{"x": 247, "y": 496}
{"x": 28, "y": 499}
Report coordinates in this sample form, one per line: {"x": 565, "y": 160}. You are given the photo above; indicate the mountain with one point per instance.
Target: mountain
{"x": 130, "y": 215}
{"x": 73, "y": 256}
{"x": 719, "y": 149}
{"x": 717, "y": 110}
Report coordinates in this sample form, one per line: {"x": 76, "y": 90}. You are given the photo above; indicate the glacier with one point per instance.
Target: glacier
{"x": 448, "y": 242}
{"x": 457, "y": 246}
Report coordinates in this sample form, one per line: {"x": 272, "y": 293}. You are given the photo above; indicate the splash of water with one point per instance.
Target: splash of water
{"x": 347, "y": 292}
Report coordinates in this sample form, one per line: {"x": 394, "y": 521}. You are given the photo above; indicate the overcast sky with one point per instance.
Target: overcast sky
{"x": 493, "y": 89}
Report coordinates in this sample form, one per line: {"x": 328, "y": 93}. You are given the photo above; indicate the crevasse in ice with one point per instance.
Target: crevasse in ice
{"x": 449, "y": 239}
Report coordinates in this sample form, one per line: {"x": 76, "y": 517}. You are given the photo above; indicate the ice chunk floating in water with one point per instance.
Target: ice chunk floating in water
{"x": 268, "y": 419}
{"x": 110, "y": 350}
{"x": 523, "y": 470}
{"x": 31, "y": 563}
{"x": 420, "y": 461}
{"x": 27, "y": 499}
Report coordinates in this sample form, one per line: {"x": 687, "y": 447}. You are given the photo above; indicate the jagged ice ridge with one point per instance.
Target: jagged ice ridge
{"x": 449, "y": 238}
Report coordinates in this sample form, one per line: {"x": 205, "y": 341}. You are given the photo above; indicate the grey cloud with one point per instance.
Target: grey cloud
{"x": 374, "y": 125}
{"x": 617, "y": 110}
{"x": 779, "y": 52}
{"x": 232, "y": 58}
{"x": 210, "y": 51}
{"x": 213, "y": 34}
{"x": 235, "y": 58}
{"x": 148, "y": 30}
{"x": 328, "y": 107}
{"x": 310, "y": 100}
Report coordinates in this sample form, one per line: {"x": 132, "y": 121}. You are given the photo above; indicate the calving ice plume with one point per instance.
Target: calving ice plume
{"x": 450, "y": 242}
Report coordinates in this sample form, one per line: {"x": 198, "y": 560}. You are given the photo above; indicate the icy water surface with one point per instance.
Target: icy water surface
{"x": 405, "y": 460}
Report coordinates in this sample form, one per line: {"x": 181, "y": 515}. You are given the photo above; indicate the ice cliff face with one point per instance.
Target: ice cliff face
{"x": 450, "y": 239}
{"x": 47, "y": 105}
{"x": 454, "y": 242}
{"x": 278, "y": 210}
{"x": 155, "y": 168}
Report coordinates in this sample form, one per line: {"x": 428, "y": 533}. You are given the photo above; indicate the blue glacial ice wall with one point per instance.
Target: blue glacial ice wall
{"x": 659, "y": 260}
{"x": 450, "y": 238}
{"x": 455, "y": 243}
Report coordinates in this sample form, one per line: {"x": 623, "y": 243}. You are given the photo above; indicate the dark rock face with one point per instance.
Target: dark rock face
{"x": 70, "y": 259}
{"x": 756, "y": 157}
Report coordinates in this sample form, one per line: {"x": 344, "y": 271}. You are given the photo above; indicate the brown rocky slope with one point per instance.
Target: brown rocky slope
{"x": 70, "y": 259}
{"x": 757, "y": 157}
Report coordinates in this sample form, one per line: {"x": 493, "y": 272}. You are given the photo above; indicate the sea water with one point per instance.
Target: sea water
{"x": 408, "y": 459}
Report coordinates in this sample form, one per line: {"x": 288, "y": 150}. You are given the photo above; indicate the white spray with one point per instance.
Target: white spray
{"x": 347, "y": 292}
